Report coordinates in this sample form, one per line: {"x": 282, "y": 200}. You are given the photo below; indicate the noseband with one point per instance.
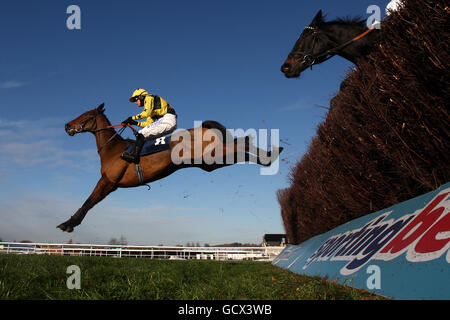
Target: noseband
{"x": 81, "y": 126}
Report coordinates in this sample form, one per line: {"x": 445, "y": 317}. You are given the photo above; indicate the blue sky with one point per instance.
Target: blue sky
{"x": 212, "y": 60}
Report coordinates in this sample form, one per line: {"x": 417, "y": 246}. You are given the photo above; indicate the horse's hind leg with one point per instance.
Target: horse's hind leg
{"x": 102, "y": 189}
{"x": 251, "y": 153}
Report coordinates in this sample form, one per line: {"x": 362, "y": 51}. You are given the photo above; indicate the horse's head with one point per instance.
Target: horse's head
{"x": 86, "y": 122}
{"x": 311, "y": 43}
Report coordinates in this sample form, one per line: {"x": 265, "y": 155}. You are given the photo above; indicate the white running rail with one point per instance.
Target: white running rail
{"x": 153, "y": 252}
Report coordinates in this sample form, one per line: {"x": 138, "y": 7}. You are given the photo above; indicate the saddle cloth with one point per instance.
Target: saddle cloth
{"x": 151, "y": 146}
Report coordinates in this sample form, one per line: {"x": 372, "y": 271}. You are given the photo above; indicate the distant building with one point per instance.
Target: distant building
{"x": 274, "y": 240}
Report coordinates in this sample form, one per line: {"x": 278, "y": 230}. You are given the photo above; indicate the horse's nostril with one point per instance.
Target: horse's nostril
{"x": 285, "y": 67}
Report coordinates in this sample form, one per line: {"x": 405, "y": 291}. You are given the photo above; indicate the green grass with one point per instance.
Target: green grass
{"x": 44, "y": 277}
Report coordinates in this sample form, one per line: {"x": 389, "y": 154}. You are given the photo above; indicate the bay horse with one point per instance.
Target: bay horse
{"x": 321, "y": 40}
{"x": 117, "y": 173}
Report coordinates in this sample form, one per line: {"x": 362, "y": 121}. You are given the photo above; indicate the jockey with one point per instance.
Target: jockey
{"x": 159, "y": 118}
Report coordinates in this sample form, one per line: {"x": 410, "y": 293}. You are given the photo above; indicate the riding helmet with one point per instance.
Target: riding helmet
{"x": 138, "y": 94}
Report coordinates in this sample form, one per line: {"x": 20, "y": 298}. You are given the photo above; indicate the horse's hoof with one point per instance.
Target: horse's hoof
{"x": 280, "y": 149}
{"x": 64, "y": 227}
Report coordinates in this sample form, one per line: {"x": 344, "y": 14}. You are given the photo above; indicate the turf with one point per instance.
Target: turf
{"x": 103, "y": 278}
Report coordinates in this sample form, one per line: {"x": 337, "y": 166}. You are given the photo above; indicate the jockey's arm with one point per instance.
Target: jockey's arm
{"x": 148, "y": 108}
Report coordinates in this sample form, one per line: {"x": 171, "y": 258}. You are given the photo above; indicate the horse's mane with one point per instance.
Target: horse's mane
{"x": 350, "y": 20}
{"x": 118, "y": 136}
{"x": 358, "y": 20}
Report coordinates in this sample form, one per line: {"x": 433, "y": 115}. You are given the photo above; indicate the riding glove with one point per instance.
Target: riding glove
{"x": 130, "y": 120}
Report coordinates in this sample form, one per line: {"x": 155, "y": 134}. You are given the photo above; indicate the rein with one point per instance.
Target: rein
{"x": 310, "y": 59}
{"x": 119, "y": 132}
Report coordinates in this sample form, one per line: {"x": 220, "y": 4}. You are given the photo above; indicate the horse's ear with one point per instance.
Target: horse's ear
{"x": 101, "y": 108}
{"x": 317, "y": 19}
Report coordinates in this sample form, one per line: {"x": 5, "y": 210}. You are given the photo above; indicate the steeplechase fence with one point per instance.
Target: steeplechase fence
{"x": 402, "y": 252}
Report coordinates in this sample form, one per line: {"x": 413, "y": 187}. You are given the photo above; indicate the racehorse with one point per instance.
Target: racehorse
{"x": 321, "y": 40}
{"x": 117, "y": 173}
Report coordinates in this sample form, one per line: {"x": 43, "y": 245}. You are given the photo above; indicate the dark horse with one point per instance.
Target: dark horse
{"x": 321, "y": 40}
{"x": 199, "y": 147}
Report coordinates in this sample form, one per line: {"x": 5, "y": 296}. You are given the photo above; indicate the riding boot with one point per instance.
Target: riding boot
{"x": 133, "y": 156}
{"x": 140, "y": 140}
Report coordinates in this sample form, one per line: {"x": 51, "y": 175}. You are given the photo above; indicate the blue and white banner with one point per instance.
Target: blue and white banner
{"x": 400, "y": 252}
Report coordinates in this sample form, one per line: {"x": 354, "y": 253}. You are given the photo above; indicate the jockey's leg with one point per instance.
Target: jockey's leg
{"x": 133, "y": 156}
{"x": 140, "y": 140}
{"x": 165, "y": 125}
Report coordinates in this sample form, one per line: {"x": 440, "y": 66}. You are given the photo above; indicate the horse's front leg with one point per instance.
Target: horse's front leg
{"x": 102, "y": 189}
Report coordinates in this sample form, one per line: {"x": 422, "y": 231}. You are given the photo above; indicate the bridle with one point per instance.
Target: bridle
{"x": 310, "y": 59}
{"x": 83, "y": 124}
{"x": 94, "y": 117}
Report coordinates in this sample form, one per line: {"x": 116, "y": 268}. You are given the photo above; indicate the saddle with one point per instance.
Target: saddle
{"x": 151, "y": 146}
